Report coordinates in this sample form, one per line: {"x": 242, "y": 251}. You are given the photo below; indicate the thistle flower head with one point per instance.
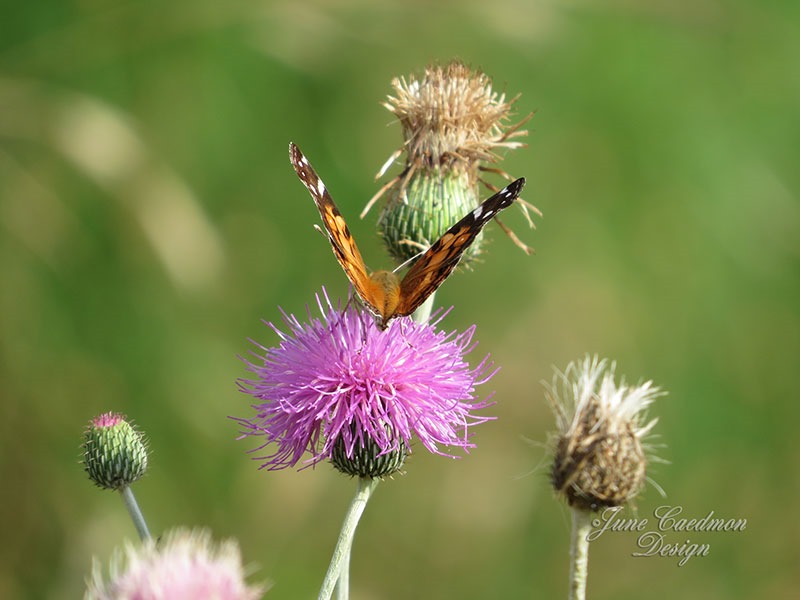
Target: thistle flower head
{"x": 453, "y": 122}
{"x": 184, "y": 565}
{"x": 338, "y": 386}
{"x": 452, "y": 118}
{"x": 114, "y": 452}
{"x": 599, "y": 454}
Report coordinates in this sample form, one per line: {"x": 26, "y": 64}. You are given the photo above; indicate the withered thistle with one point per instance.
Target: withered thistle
{"x": 453, "y": 125}
{"x": 599, "y": 459}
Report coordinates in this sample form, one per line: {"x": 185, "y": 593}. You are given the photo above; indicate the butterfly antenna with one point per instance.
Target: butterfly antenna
{"x": 409, "y": 261}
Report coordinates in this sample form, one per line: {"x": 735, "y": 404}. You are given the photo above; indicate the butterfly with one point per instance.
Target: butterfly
{"x": 383, "y": 293}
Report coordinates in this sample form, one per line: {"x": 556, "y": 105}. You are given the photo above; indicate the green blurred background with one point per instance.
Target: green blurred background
{"x": 149, "y": 219}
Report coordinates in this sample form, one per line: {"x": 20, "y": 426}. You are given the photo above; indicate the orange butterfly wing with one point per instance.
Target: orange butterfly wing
{"x": 436, "y": 264}
{"x": 344, "y": 246}
{"x": 379, "y": 292}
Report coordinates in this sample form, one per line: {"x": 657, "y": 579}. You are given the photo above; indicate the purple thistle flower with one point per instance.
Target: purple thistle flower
{"x": 342, "y": 381}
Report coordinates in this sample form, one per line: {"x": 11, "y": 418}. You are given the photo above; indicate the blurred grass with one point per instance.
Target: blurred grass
{"x": 149, "y": 219}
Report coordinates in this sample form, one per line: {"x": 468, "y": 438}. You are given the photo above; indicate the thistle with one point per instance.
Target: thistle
{"x": 114, "y": 457}
{"x": 453, "y": 124}
{"x": 114, "y": 452}
{"x": 340, "y": 388}
{"x": 183, "y": 565}
{"x": 599, "y": 451}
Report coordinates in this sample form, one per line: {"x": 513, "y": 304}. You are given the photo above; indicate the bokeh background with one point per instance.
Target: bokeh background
{"x": 149, "y": 219}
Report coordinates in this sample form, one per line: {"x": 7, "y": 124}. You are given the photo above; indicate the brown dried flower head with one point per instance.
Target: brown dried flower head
{"x": 452, "y": 118}
{"x": 600, "y": 458}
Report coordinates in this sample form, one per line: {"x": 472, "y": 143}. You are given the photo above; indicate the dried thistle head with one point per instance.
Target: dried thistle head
{"x": 452, "y": 118}
{"x": 600, "y": 457}
{"x": 453, "y": 124}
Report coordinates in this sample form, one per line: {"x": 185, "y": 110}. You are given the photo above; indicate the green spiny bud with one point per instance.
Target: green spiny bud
{"x": 366, "y": 460}
{"x": 114, "y": 452}
{"x": 417, "y": 214}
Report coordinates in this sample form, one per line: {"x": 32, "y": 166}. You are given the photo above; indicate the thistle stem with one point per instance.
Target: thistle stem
{"x": 579, "y": 553}
{"x": 341, "y": 553}
{"x": 135, "y": 513}
{"x": 423, "y": 313}
{"x": 343, "y": 583}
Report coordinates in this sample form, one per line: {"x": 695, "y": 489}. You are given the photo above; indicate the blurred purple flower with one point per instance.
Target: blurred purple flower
{"x": 342, "y": 377}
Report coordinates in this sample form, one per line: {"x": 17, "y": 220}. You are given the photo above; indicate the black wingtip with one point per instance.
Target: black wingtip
{"x": 516, "y": 186}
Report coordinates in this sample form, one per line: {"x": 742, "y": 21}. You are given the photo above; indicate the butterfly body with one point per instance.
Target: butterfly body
{"x": 384, "y": 293}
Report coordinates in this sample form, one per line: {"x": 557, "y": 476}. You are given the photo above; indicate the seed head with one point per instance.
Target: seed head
{"x": 599, "y": 459}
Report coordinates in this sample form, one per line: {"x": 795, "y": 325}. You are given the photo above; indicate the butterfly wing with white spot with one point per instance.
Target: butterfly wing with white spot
{"x": 436, "y": 264}
{"x": 342, "y": 242}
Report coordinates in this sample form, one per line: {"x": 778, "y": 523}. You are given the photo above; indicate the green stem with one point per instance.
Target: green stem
{"x": 579, "y": 553}
{"x": 136, "y": 514}
{"x": 423, "y": 313}
{"x": 343, "y": 583}
{"x": 341, "y": 554}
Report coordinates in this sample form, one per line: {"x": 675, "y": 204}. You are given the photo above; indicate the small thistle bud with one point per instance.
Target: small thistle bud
{"x": 453, "y": 121}
{"x": 599, "y": 458}
{"x": 114, "y": 452}
{"x": 367, "y": 459}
